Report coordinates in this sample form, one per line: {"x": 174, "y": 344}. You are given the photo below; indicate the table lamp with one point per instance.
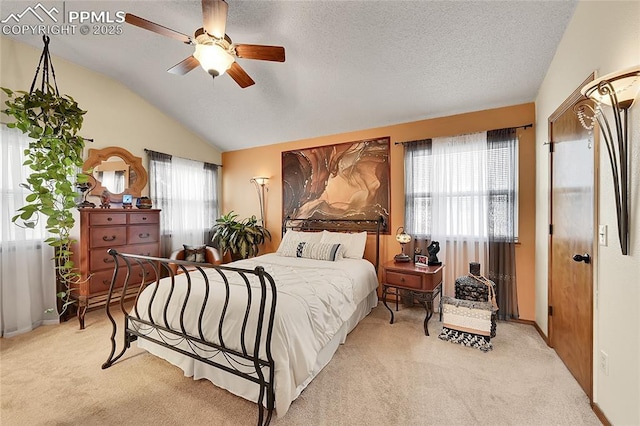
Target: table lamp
{"x": 403, "y": 238}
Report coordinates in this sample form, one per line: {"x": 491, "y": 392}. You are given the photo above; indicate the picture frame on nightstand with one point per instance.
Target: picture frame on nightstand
{"x": 420, "y": 260}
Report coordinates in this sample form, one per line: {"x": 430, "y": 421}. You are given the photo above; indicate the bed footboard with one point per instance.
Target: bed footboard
{"x": 191, "y": 292}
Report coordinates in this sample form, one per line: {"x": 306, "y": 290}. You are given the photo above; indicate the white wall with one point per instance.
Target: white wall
{"x": 116, "y": 116}
{"x": 605, "y": 37}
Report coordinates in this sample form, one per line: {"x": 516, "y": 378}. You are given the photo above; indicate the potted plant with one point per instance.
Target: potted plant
{"x": 241, "y": 238}
{"x": 52, "y": 121}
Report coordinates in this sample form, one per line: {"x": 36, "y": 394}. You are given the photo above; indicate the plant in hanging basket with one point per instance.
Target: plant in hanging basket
{"x": 54, "y": 156}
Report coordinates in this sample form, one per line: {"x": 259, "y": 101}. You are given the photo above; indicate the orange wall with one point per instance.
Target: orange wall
{"x": 239, "y": 195}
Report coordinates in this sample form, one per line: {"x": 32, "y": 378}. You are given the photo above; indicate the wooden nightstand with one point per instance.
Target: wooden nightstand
{"x": 423, "y": 282}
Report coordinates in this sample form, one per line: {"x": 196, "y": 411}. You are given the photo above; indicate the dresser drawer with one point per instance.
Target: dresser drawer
{"x": 137, "y": 234}
{"x": 108, "y": 236}
{"x": 108, "y": 219}
{"x": 403, "y": 280}
{"x": 137, "y": 273}
{"x": 99, "y": 259}
{"x": 141, "y": 249}
{"x": 101, "y": 280}
{"x": 140, "y": 218}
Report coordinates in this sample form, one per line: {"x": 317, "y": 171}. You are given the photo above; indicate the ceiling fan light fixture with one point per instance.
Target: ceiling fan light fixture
{"x": 213, "y": 58}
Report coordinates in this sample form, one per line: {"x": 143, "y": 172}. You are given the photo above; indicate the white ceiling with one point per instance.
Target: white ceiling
{"x": 350, "y": 65}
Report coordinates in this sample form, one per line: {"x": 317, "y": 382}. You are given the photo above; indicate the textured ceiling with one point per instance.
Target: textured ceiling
{"x": 350, "y": 65}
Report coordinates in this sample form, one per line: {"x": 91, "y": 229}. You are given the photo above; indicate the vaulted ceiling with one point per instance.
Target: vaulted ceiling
{"x": 350, "y": 65}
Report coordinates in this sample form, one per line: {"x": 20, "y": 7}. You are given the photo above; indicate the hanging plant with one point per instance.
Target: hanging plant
{"x": 54, "y": 156}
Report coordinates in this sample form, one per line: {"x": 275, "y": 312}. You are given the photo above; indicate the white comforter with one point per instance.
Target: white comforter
{"x": 314, "y": 300}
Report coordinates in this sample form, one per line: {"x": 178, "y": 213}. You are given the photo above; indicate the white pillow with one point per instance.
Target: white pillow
{"x": 353, "y": 243}
{"x": 291, "y": 239}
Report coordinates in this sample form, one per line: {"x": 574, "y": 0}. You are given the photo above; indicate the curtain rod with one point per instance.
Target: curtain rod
{"x": 515, "y": 127}
{"x": 184, "y": 158}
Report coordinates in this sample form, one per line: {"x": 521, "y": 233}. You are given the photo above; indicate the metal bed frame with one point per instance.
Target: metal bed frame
{"x": 241, "y": 362}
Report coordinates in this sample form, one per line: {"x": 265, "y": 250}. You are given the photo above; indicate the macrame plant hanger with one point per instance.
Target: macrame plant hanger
{"x": 45, "y": 63}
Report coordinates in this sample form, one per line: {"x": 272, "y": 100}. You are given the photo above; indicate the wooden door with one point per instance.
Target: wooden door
{"x": 571, "y": 241}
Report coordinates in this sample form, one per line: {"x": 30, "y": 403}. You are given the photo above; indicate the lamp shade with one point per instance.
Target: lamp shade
{"x": 625, "y": 84}
{"x": 261, "y": 180}
{"x": 402, "y": 237}
{"x": 213, "y": 58}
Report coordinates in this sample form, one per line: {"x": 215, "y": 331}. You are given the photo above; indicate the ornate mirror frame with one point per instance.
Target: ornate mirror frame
{"x": 137, "y": 172}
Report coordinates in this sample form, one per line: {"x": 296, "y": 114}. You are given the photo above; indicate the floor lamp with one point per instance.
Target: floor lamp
{"x": 260, "y": 182}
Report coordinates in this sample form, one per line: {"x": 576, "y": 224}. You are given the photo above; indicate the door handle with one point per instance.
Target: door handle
{"x": 582, "y": 258}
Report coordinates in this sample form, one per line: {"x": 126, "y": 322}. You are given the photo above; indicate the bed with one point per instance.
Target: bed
{"x": 262, "y": 328}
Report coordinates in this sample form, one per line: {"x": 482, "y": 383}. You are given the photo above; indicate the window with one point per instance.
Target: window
{"x": 462, "y": 187}
{"x": 27, "y": 277}
{"x": 13, "y": 173}
{"x": 503, "y": 172}
{"x": 462, "y": 191}
{"x": 186, "y": 191}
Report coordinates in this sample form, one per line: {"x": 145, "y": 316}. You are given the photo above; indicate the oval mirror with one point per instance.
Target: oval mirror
{"x": 113, "y": 173}
{"x": 116, "y": 171}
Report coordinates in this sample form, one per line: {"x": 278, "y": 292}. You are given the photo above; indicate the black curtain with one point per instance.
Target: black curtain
{"x": 503, "y": 192}
{"x": 159, "y": 182}
{"x": 417, "y": 199}
{"x": 211, "y": 187}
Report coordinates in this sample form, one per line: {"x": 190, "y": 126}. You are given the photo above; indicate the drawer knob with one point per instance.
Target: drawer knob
{"x": 108, "y": 260}
{"x": 106, "y": 282}
{"x": 401, "y": 279}
{"x": 147, "y": 235}
{"x": 109, "y": 219}
{"x": 112, "y": 238}
{"x": 144, "y": 218}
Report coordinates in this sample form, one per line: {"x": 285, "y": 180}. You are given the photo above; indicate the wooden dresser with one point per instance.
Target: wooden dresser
{"x": 134, "y": 231}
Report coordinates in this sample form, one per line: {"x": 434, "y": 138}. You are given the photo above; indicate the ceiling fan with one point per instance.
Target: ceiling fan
{"x": 214, "y": 50}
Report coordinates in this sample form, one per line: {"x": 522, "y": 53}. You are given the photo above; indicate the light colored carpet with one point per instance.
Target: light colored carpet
{"x": 383, "y": 375}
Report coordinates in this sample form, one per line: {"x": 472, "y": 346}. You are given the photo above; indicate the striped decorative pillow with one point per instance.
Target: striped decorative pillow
{"x": 319, "y": 251}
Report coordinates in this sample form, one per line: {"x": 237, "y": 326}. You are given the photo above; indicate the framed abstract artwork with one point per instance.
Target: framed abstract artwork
{"x": 343, "y": 181}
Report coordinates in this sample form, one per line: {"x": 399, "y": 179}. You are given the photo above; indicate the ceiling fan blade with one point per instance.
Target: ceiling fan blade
{"x": 265, "y": 53}
{"x": 240, "y": 76}
{"x": 183, "y": 67}
{"x": 214, "y": 16}
{"x": 156, "y": 28}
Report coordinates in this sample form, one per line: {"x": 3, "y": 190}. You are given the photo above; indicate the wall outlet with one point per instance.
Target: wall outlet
{"x": 604, "y": 363}
{"x": 602, "y": 235}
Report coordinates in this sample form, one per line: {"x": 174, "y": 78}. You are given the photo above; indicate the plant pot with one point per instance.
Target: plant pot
{"x": 236, "y": 256}
{"x": 144, "y": 203}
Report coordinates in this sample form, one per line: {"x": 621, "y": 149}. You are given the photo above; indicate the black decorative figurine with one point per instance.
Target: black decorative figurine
{"x": 84, "y": 187}
{"x": 433, "y": 250}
